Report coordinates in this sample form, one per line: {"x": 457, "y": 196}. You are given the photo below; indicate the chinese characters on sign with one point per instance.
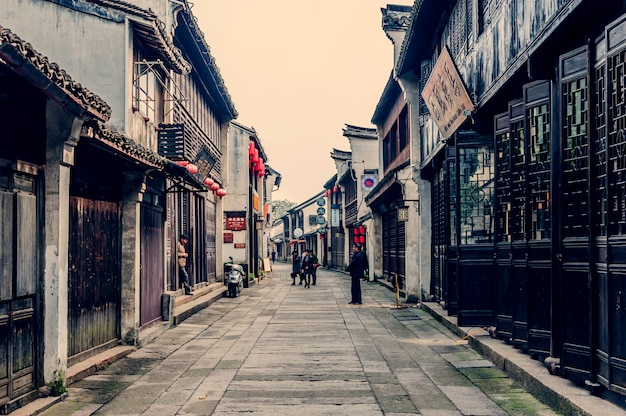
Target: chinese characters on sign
{"x": 446, "y": 96}
{"x": 235, "y": 221}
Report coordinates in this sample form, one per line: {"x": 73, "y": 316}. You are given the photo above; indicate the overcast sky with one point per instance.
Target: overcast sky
{"x": 298, "y": 71}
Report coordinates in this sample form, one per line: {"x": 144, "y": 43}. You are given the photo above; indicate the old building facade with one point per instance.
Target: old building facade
{"x": 517, "y": 137}
{"x": 108, "y": 182}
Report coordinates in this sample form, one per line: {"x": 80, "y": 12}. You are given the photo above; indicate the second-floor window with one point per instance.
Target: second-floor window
{"x": 396, "y": 139}
{"x": 147, "y": 95}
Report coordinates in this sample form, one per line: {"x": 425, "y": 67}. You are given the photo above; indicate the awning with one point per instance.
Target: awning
{"x": 297, "y": 242}
{"x": 181, "y": 179}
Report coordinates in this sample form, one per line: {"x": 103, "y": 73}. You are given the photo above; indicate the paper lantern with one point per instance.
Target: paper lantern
{"x": 251, "y": 149}
{"x": 220, "y": 192}
{"x": 191, "y": 168}
{"x": 335, "y": 188}
{"x": 182, "y": 163}
{"x": 214, "y": 187}
{"x": 208, "y": 181}
{"x": 255, "y": 157}
{"x": 361, "y": 239}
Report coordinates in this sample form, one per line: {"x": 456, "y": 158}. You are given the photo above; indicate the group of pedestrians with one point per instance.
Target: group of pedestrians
{"x": 305, "y": 267}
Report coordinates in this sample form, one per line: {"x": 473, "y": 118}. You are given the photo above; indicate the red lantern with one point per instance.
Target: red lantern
{"x": 361, "y": 230}
{"x": 335, "y": 188}
{"x": 214, "y": 187}
{"x": 220, "y": 192}
{"x": 182, "y": 163}
{"x": 191, "y": 168}
{"x": 208, "y": 181}
{"x": 356, "y": 240}
{"x": 260, "y": 167}
{"x": 361, "y": 239}
{"x": 255, "y": 157}
{"x": 251, "y": 149}
{"x": 327, "y": 193}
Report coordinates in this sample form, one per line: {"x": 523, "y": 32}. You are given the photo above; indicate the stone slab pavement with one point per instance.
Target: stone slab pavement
{"x": 280, "y": 349}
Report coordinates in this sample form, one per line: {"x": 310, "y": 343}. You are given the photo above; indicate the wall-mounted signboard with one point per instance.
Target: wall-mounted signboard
{"x": 446, "y": 96}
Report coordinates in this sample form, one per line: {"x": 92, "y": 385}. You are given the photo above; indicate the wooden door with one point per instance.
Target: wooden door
{"x": 503, "y": 238}
{"x": 94, "y": 275}
{"x": 572, "y": 301}
{"x": 475, "y": 196}
{"x": 19, "y": 271}
{"x": 152, "y": 265}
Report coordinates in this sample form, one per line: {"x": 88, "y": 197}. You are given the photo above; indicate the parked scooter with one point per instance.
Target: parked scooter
{"x": 234, "y": 280}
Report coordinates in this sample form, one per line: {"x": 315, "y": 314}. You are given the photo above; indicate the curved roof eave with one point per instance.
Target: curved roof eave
{"x": 24, "y": 60}
{"x": 151, "y": 30}
{"x": 208, "y": 66}
{"x": 425, "y": 18}
{"x": 387, "y": 100}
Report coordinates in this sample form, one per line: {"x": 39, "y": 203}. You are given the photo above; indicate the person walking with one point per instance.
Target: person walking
{"x": 182, "y": 264}
{"x": 273, "y": 256}
{"x": 312, "y": 265}
{"x": 356, "y": 269}
{"x": 307, "y": 265}
{"x": 296, "y": 266}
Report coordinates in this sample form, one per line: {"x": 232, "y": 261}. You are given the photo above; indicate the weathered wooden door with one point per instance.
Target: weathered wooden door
{"x": 503, "y": 239}
{"x": 440, "y": 233}
{"x": 538, "y": 110}
{"x": 94, "y": 275}
{"x": 475, "y": 196}
{"x": 19, "y": 270}
{"x": 211, "y": 237}
{"x": 610, "y": 208}
{"x": 152, "y": 266}
{"x": 572, "y": 301}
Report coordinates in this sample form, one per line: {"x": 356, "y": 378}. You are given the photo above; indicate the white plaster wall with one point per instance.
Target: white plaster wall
{"x": 90, "y": 49}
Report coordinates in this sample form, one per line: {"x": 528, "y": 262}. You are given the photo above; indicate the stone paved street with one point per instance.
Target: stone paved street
{"x": 280, "y": 349}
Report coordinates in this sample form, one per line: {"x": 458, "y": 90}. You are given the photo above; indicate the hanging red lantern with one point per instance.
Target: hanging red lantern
{"x": 182, "y": 163}
{"x": 208, "y": 181}
{"x": 356, "y": 230}
{"x": 255, "y": 157}
{"x": 361, "y": 230}
{"x": 251, "y": 149}
{"x": 335, "y": 189}
{"x": 191, "y": 168}
{"x": 356, "y": 239}
{"x": 261, "y": 167}
{"x": 361, "y": 239}
{"x": 220, "y": 192}
{"x": 327, "y": 193}
{"x": 214, "y": 187}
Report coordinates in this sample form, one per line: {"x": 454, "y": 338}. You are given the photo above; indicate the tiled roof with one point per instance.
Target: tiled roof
{"x": 123, "y": 144}
{"x": 14, "y": 52}
{"x": 153, "y": 33}
{"x": 361, "y": 132}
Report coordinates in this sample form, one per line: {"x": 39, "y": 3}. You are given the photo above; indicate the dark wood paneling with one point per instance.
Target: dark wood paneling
{"x": 152, "y": 278}
{"x": 19, "y": 272}
{"x": 94, "y": 279}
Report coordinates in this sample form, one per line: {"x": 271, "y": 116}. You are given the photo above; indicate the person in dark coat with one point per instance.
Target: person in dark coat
{"x": 296, "y": 267}
{"x": 356, "y": 268}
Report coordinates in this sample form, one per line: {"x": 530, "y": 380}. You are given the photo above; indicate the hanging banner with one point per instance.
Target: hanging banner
{"x": 446, "y": 96}
{"x": 334, "y": 217}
